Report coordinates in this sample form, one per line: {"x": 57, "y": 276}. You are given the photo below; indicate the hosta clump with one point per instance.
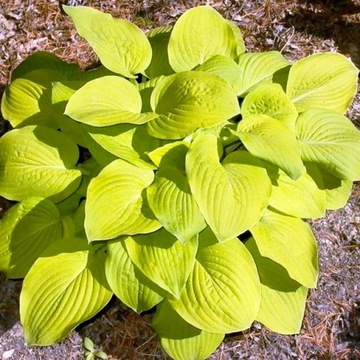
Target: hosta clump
{"x": 202, "y": 162}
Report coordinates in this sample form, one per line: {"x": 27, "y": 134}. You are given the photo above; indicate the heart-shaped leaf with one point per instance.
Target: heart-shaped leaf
{"x": 26, "y": 230}
{"x": 278, "y": 235}
{"x": 272, "y": 141}
{"x": 115, "y": 204}
{"x": 170, "y": 197}
{"x": 65, "y": 286}
{"x": 127, "y": 282}
{"x": 283, "y": 299}
{"x": 188, "y": 101}
{"x": 38, "y": 161}
{"x": 331, "y": 141}
{"x": 231, "y": 196}
{"x": 213, "y": 36}
{"x": 121, "y": 46}
{"x": 325, "y": 81}
{"x": 216, "y": 298}
{"x": 180, "y": 339}
{"x": 109, "y": 100}
{"x": 163, "y": 259}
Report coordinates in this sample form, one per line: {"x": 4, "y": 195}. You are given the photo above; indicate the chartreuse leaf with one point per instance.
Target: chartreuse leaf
{"x": 109, "y": 100}
{"x": 222, "y": 293}
{"x": 231, "y": 196}
{"x": 115, "y": 204}
{"x": 121, "y": 46}
{"x": 159, "y": 40}
{"x": 277, "y": 235}
{"x": 126, "y": 141}
{"x": 26, "y": 102}
{"x": 257, "y": 67}
{"x": 26, "y": 230}
{"x": 65, "y": 286}
{"x": 271, "y": 100}
{"x": 163, "y": 259}
{"x": 272, "y": 141}
{"x": 331, "y": 141}
{"x": 45, "y": 61}
{"x": 337, "y": 191}
{"x": 240, "y": 44}
{"x": 172, "y": 156}
{"x": 224, "y": 67}
{"x": 325, "y": 81}
{"x": 282, "y": 298}
{"x": 188, "y": 101}
{"x": 127, "y": 282}
{"x": 170, "y": 196}
{"x": 213, "y": 36}
{"x": 145, "y": 89}
{"x": 38, "y": 161}
{"x": 307, "y": 199}
{"x": 180, "y": 339}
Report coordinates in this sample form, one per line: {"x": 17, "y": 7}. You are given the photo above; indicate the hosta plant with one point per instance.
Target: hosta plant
{"x": 178, "y": 176}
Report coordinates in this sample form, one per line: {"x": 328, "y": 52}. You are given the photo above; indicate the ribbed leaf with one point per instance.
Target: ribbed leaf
{"x": 26, "y": 230}
{"x": 127, "y": 282}
{"x": 64, "y": 287}
{"x": 26, "y": 102}
{"x": 121, "y": 46}
{"x": 163, "y": 259}
{"x": 307, "y": 199}
{"x": 115, "y": 204}
{"x": 199, "y": 34}
{"x": 325, "y": 81}
{"x": 180, "y": 339}
{"x": 170, "y": 197}
{"x": 272, "y": 141}
{"x": 126, "y": 141}
{"x": 282, "y": 298}
{"x": 288, "y": 241}
{"x": 271, "y": 100}
{"x": 231, "y": 196}
{"x": 257, "y": 67}
{"x": 331, "y": 141}
{"x": 188, "y": 101}
{"x": 109, "y": 100}
{"x": 222, "y": 294}
{"x": 38, "y": 161}
{"x": 224, "y": 67}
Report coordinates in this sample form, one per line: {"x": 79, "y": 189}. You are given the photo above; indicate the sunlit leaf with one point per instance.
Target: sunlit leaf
{"x": 188, "y": 101}
{"x": 121, "y": 46}
{"x": 213, "y": 36}
{"x": 170, "y": 196}
{"x": 222, "y": 294}
{"x": 38, "y": 161}
{"x": 109, "y": 100}
{"x": 65, "y": 286}
{"x": 271, "y": 100}
{"x": 257, "y": 67}
{"x": 231, "y": 195}
{"x": 115, "y": 204}
{"x": 278, "y": 235}
{"x": 180, "y": 339}
{"x": 325, "y": 81}
{"x": 331, "y": 141}
{"x": 168, "y": 263}
{"x": 272, "y": 141}
{"x": 282, "y": 298}
{"x": 26, "y": 230}
{"x": 127, "y": 282}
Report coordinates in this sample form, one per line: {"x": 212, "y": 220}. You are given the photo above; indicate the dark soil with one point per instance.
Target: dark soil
{"x": 331, "y": 327}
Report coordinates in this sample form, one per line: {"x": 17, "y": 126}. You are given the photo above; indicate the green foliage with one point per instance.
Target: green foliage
{"x": 202, "y": 162}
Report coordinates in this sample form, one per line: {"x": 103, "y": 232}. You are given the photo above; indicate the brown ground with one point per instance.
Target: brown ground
{"x": 331, "y": 328}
